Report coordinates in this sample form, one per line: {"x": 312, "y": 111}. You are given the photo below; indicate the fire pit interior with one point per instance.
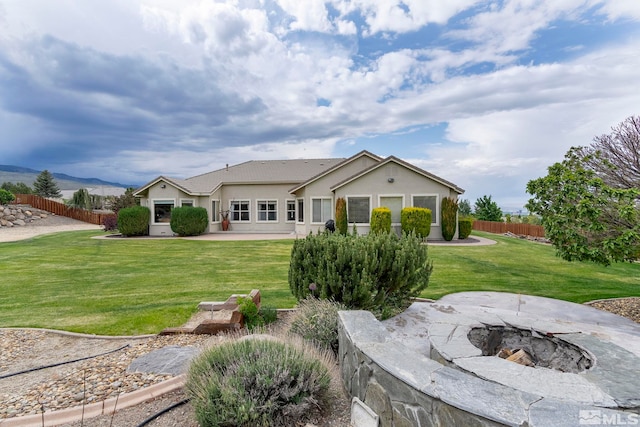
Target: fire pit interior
{"x": 530, "y": 348}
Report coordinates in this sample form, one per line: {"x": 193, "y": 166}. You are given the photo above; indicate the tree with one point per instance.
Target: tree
{"x": 615, "y": 157}
{"x": 487, "y": 210}
{"x": 81, "y": 199}
{"x": 18, "y": 188}
{"x": 45, "y": 185}
{"x": 127, "y": 200}
{"x": 585, "y": 218}
{"x": 341, "y": 216}
{"x": 464, "y": 208}
{"x": 449, "y": 217}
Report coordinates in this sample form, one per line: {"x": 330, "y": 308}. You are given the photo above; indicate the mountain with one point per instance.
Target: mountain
{"x": 15, "y": 174}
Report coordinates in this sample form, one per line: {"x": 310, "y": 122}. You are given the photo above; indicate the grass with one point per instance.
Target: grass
{"x": 134, "y": 286}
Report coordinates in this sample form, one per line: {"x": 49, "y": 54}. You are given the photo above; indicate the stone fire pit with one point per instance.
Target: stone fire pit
{"x": 446, "y": 363}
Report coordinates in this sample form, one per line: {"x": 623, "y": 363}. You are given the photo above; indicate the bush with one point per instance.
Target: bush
{"x": 257, "y": 382}
{"x": 255, "y": 317}
{"x": 110, "y": 222}
{"x": 134, "y": 221}
{"x": 448, "y": 215}
{"x": 416, "y": 220}
{"x": 342, "y": 224}
{"x": 189, "y": 220}
{"x": 6, "y": 197}
{"x": 316, "y": 320}
{"x": 465, "y": 225}
{"x": 377, "y": 272}
{"x": 381, "y": 220}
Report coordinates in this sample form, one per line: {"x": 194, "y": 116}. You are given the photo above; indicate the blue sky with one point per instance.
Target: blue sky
{"x": 486, "y": 94}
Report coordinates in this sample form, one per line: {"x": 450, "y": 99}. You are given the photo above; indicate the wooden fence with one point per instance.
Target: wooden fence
{"x": 505, "y": 227}
{"x": 61, "y": 209}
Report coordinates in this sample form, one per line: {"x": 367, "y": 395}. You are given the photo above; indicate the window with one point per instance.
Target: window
{"x": 162, "y": 211}
{"x": 358, "y": 210}
{"x": 186, "y": 202}
{"x": 240, "y": 211}
{"x": 320, "y": 210}
{"x": 215, "y": 211}
{"x": 429, "y": 201}
{"x": 267, "y": 210}
{"x": 291, "y": 210}
{"x": 300, "y": 210}
{"x": 394, "y": 203}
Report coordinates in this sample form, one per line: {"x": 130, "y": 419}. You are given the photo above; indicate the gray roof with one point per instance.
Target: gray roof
{"x": 293, "y": 171}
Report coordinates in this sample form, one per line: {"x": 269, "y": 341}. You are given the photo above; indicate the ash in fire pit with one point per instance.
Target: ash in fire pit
{"x": 530, "y": 348}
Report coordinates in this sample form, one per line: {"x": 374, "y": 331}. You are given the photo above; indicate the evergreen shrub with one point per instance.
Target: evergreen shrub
{"x": 258, "y": 382}
{"x": 189, "y": 220}
{"x": 316, "y": 321}
{"x": 381, "y": 220}
{"x": 448, "y": 216}
{"x": 379, "y": 272}
{"x": 6, "y": 197}
{"x": 342, "y": 224}
{"x": 255, "y": 317}
{"x": 465, "y": 225}
{"x": 416, "y": 220}
{"x": 134, "y": 221}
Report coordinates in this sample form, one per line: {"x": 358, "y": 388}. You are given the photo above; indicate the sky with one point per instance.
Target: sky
{"x": 485, "y": 94}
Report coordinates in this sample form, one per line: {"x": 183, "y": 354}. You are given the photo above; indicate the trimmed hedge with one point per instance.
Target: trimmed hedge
{"x": 381, "y": 220}
{"x": 465, "y": 225}
{"x": 448, "y": 216}
{"x": 342, "y": 224}
{"x": 134, "y": 221}
{"x": 189, "y": 220}
{"x": 379, "y": 272}
{"x": 416, "y": 220}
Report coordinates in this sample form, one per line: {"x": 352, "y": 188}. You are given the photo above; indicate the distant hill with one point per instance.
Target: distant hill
{"x": 15, "y": 174}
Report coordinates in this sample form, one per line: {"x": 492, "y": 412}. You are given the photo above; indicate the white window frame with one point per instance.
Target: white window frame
{"x": 215, "y": 213}
{"x": 300, "y": 210}
{"x": 359, "y": 196}
{"x": 240, "y": 202}
{"x": 381, "y": 196}
{"x": 435, "y": 216}
{"x": 288, "y": 211}
{"x": 268, "y": 202}
{"x": 321, "y": 209}
{"x": 153, "y": 212}
{"x": 190, "y": 202}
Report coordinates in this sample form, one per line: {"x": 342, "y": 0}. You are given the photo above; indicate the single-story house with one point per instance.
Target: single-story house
{"x": 298, "y": 196}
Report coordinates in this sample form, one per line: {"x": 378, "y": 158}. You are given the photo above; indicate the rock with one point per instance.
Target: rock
{"x": 19, "y": 222}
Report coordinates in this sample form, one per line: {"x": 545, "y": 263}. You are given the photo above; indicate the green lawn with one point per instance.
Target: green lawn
{"x": 133, "y": 286}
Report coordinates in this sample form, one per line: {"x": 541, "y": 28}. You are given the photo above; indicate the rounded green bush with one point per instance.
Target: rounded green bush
{"x": 189, "y": 220}
{"x": 416, "y": 220}
{"x": 6, "y": 197}
{"x": 316, "y": 320}
{"x": 134, "y": 221}
{"x": 257, "y": 382}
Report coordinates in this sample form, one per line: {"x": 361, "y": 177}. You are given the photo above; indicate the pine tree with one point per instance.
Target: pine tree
{"x": 45, "y": 185}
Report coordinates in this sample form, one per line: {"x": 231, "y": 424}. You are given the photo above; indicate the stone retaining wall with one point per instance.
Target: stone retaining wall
{"x": 16, "y": 215}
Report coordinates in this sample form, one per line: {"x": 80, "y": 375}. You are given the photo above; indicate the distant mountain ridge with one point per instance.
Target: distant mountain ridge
{"x": 15, "y": 174}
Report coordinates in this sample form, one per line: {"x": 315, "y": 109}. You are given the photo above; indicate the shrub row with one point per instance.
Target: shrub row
{"x": 379, "y": 272}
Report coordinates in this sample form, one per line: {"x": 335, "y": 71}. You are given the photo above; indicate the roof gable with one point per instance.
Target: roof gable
{"x": 393, "y": 159}
{"x": 363, "y": 153}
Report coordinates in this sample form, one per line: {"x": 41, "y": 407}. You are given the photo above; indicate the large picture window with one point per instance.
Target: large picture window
{"x": 267, "y": 210}
{"x": 429, "y": 201}
{"x": 240, "y": 211}
{"x": 162, "y": 211}
{"x": 394, "y": 203}
{"x": 291, "y": 210}
{"x": 358, "y": 209}
{"x": 321, "y": 210}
